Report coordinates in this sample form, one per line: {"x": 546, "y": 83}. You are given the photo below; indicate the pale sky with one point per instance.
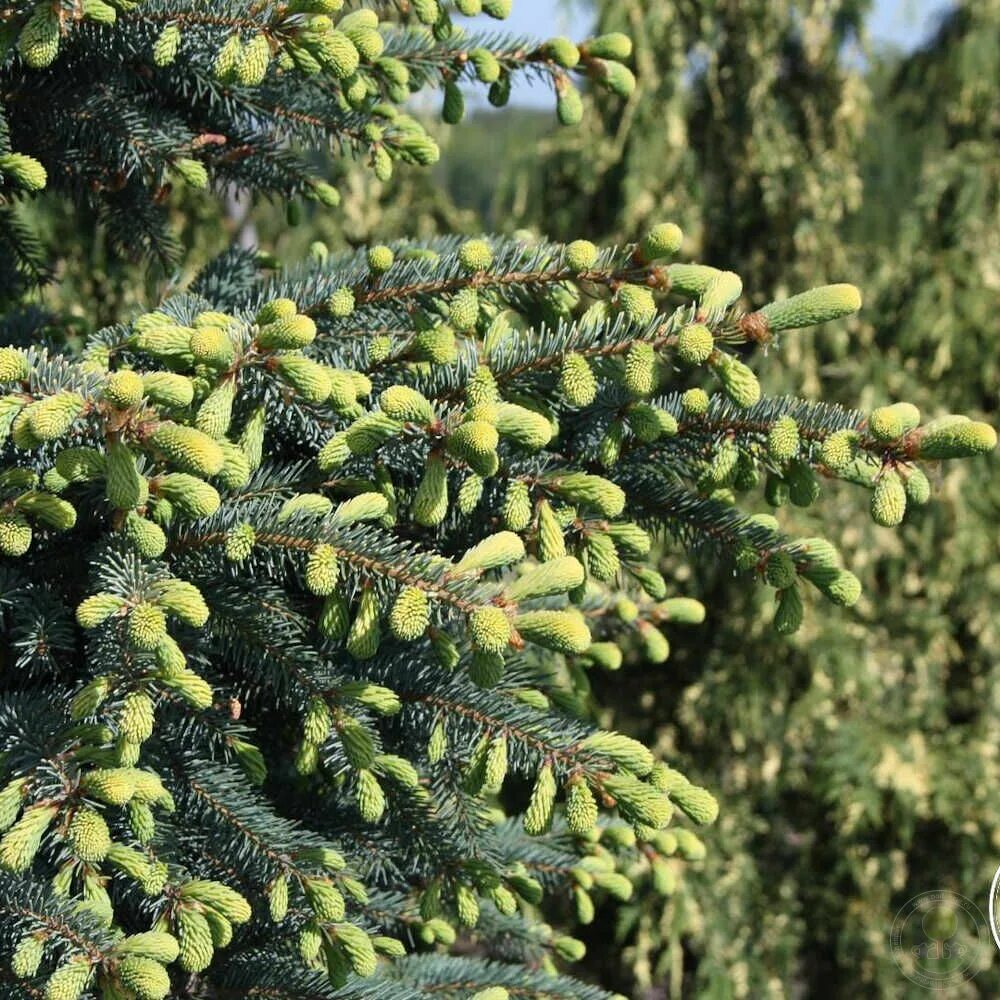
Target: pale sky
{"x": 903, "y": 23}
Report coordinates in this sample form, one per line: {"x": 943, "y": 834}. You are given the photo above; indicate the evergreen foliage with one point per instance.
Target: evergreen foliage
{"x": 304, "y": 577}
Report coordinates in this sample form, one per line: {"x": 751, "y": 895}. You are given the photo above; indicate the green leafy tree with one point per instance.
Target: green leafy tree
{"x": 304, "y": 575}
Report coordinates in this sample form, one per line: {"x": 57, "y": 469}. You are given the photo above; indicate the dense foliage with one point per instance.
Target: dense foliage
{"x": 305, "y": 577}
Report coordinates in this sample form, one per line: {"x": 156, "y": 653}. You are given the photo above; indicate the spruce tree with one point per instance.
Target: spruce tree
{"x": 304, "y": 572}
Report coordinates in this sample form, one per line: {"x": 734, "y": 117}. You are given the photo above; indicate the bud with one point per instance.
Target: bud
{"x": 838, "y": 585}
{"x": 15, "y": 535}
{"x": 463, "y": 312}
{"x": 88, "y": 836}
{"x": 569, "y": 103}
{"x": 516, "y": 510}
{"x": 562, "y": 631}
{"x": 51, "y": 418}
{"x": 470, "y": 493}
{"x": 803, "y": 487}
{"x": 581, "y": 809}
{"x": 21, "y": 842}
{"x": 502, "y": 549}
{"x": 399, "y": 402}
{"x": 475, "y": 255}
{"x": 277, "y": 899}
{"x": 192, "y": 688}
{"x": 558, "y": 576}
{"x": 820, "y": 305}
{"x": 324, "y": 898}
{"x": 490, "y": 629}
{"x": 738, "y": 381}
{"x": 580, "y": 255}
{"x": 789, "y": 613}
{"x": 528, "y": 428}
{"x": 602, "y": 556}
{"x": 698, "y": 804}
{"x": 168, "y": 389}
{"x": 695, "y": 402}
{"x": 370, "y": 797}
{"x": 595, "y": 491}
{"x": 235, "y": 472}
{"x": 888, "y": 423}
{"x": 146, "y": 978}
{"x": 398, "y": 769}
{"x": 156, "y": 945}
{"x": 410, "y": 614}
{"x": 682, "y": 610}
{"x": 839, "y": 449}
{"x": 219, "y": 897}
{"x": 695, "y": 344}
{"x": 305, "y": 506}
{"x": 916, "y": 484}
{"x": 322, "y": 569}
{"x": 148, "y": 538}
{"x": 665, "y": 239}
{"x": 189, "y": 449}
{"x": 308, "y": 378}
{"x": 637, "y": 802}
{"x": 569, "y": 949}
{"x": 290, "y": 333}
{"x": 70, "y": 979}
{"x": 475, "y": 442}
{"x": 13, "y": 365}
{"x": 436, "y": 346}
{"x": 538, "y": 815}
{"x": 888, "y": 504}
{"x": 551, "y": 543}
{"x": 195, "y": 939}
{"x": 651, "y": 581}
{"x": 655, "y": 644}
{"x": 780, "y": 570}
{"x": 363, "y": 507}
{"x": 380, "y": 259}
{"x": 334, "y": 617}
{"x": 577, "y": 381}
{"x": 430, "y": 504}
{"x": 28, "y": 956}
{"x": 334, "y": 453}
{"x": 184, "y": 600}
{"x": 365, "y": 632}
{"x": 211, "y": 346}
{"x": 137, "y": 717}
{"x": 141, "y": 821}
{"x": 953, "y": 437}
{"x": 123, "y": 389}
{"x": 380, "y": 699}
{"x": 189, "y": 496}
{"x": 618, "y": 78}
{"x": 622, "y": 750}
{"x": 147, "y": 625}
{"x": 637, "y": 303}
{"x": 25, "y": 171}
{"x": 486, "y": 669}
{"x": 783, "y": 440}
{"x": 114, "y": 786}
{"x": 369, "y": 432}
